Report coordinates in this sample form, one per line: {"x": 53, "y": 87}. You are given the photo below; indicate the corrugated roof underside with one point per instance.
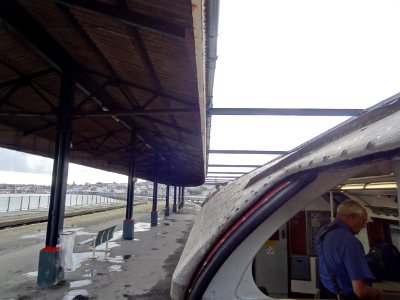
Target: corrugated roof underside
{"x": 137, "y": 73}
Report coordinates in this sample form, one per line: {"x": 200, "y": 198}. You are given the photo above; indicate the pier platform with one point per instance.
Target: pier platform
{"x": 133, "y": 269}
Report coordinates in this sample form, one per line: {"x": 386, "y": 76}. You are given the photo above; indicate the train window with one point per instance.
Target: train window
{"x": 395, "y": 235}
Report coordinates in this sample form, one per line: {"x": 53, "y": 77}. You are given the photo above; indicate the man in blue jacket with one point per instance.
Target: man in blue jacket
{"x": 344, "y": 271}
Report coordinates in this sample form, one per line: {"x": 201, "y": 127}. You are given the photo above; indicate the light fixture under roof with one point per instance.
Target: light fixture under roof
{"x": 368, "y": 186}
{"x": 381, "y": 185}
{"x": 352, "y": 186}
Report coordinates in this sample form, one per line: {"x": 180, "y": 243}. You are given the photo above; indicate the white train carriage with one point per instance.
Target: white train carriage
{"x": 254, "y": 237}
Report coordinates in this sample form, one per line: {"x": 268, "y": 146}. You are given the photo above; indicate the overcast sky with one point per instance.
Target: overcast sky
{"x": 299, "y": 54}
{"x": 285, "y": 54}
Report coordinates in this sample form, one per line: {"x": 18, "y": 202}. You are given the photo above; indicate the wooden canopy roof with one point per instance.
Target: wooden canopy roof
{"x": 139, "y": 68}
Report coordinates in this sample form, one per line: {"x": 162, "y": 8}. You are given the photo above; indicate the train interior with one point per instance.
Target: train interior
{"x": 287, "y": 265}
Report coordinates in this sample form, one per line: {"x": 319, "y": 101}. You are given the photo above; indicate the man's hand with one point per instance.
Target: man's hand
{"x": 363, "y": 291}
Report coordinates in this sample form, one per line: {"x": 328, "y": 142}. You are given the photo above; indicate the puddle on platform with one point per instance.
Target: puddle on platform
{"x": 161, "y": 233}
{"x": 91, "y": 273}
{"x": 79, "y": 258}
{"x": 31, "y": 274}
{"x": 41, "y": 234}
{"x": 79, "y": 283}
{"x": 37, "y": 235}
{"x": 115, "y": 268}
{"x": 115, "y": 260}
{"x": 80, "y": 233}
{"x": 142, "y": 226}
{"x": 74, "y": 294}
{"x": 117, "y": 235}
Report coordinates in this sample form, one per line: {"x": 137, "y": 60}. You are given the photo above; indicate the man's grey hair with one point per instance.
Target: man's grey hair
{"x": 351, "y": 207}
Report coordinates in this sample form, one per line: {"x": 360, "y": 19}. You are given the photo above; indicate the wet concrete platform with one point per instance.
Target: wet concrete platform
{"x": 138, "y": 269}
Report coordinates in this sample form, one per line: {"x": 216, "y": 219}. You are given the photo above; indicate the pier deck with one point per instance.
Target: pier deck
{"x": 138, "y": 269}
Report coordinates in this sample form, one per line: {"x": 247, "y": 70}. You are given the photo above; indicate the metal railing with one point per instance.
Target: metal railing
{"x": 9, "y": 203}
{"x": 23, "y": 202}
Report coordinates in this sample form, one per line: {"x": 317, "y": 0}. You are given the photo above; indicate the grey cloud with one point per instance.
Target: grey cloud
{"x": 21, "y": 162}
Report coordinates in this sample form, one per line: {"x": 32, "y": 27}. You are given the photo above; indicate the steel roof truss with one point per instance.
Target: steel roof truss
{"x": 44, "y": 98}
{"x": 270, "y": 152}
{"x": 144, "y": 56}
{"x": 91, "y": 96}
{"x": 151, "y": 100}
{"x": 116, "y": 81}
{"x": 38, "y": 129}
{"x": 24, "y": 24}
{"x": 131, "y": 99}
{"x": 106, "y": 129}
{"x": 240, "y": 166}
{"x": 24, "y": 79}
{"x": 285, "y": 111}
{"x": 166, "y": 124}
{"x": 9, "y": 94}
{"x": 136, "y": 40}
{"x": 179, "y": 140}
{"x": 86, "y": 140}
{"x": 96, "y": 50}
{"x": 127, "y": 17}
{"x": 132, "y": 113}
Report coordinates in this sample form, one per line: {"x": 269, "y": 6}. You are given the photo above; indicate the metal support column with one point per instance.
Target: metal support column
{"x": 154, "y": 212}
{"x": 183, "y": 197}
{"x": 179, "y": 196}
{"x": 129, "y": 222}
{"x": 167, "y": 201}
{"x": 50, "y": 270}
{"x": 174, "y": 205}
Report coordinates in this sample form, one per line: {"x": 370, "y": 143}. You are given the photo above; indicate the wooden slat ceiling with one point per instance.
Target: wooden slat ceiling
{"x": 135, "y": 67}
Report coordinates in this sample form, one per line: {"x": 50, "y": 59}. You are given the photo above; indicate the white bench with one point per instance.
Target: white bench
{"x": 102, "y": 236}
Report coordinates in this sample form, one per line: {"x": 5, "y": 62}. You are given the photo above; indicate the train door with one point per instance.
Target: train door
{"x": 270, "y": 266}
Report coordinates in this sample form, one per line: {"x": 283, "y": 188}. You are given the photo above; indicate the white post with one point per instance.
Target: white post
{"x": 106, "y": 250}
{"x": 94, "y": 249}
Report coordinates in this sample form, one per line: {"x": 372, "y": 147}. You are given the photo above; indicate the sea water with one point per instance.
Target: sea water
{"x": 18, "y": 202}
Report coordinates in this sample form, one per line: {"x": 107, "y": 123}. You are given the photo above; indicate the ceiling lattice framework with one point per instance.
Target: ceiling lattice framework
{"x": 134, "y": 63}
